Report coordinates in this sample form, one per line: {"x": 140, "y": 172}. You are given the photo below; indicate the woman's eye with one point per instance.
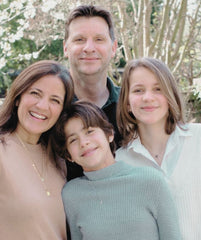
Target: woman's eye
{"x": 34, "y": 93}
{"x": 56, "y": 101}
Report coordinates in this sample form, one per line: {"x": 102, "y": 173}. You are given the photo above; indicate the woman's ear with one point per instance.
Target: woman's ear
{"x": 17, "y": 103}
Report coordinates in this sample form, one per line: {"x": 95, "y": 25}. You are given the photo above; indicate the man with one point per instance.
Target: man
{"x": 89, "y": 46}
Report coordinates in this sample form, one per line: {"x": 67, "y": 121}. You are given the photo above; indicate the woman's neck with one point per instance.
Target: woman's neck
{"x": 27, "y": 138}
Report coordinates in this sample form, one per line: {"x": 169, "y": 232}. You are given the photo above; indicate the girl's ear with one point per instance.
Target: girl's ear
{"x": 111, "y": 138}
{"x": 70, "y": 160}
{"x": 128, "y": 107}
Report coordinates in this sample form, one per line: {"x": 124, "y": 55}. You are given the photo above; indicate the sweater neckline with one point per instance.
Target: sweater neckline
{"x": 116, "y": 169}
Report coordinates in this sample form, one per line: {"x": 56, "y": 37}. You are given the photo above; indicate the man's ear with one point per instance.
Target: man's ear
{"x": 65, "y": 49}
{"x": 114, "y": 48}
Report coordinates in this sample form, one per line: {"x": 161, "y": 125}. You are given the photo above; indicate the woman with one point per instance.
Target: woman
{"x": 151, "y": 120}
{"x": 112, "y": 200}
{"x": 31, "y": 177}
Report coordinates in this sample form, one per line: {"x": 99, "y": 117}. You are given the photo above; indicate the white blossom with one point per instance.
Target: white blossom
{"x": 16, "y": 5}
{"x": 4, "y": 16}
{"x": 21, "y": 21}
{"x": 1, "y": 31}
{"x": 27, "y": 56}
{"x": 4, "y": 1}
{"x": 2, "y": 62}
{"x": 21, "y": 57}
{"x": 19, "y": 34}
{"x": 9, "y": 53}
{"x": 58, "y": 16}
{"x": 47, "y": 5}
{"x": 35, "y": 55}
{"x": 30, "y": 12}
{"x": 6, "y": 46}
{"x": 12, "y": 38}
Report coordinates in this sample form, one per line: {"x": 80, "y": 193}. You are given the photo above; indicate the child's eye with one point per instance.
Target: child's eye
{"x": 157, "y": 89}
{"x": 138, "y": 90}
{"x": 71, "y": 140}
{"x": 89, "y": 130}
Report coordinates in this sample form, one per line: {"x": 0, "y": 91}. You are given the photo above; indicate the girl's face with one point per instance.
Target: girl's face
{"x": 88, "y": 147}
{"x": 146, "y": 99}
{"x": 40, "y": 106}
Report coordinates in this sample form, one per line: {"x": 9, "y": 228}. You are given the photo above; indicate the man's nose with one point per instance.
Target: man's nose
{"x": 89, "y": 45}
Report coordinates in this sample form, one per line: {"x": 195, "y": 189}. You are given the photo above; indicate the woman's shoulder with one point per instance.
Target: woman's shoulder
{"x": 4, "y": 138}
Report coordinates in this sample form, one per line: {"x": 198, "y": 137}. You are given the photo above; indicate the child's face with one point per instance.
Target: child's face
{"x": 88, "y": 147}
{"x": 146, "y": 99}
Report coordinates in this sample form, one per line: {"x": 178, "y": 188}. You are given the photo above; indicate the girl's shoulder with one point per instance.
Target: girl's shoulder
{"x": 194, "y": 128}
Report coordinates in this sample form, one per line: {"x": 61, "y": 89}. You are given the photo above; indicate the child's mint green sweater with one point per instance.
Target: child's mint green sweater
{"x": 120, "y": 203}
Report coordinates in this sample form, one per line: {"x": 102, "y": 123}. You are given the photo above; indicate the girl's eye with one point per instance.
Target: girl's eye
{"x": 138, "y": 90}
{"x": 158, "y": 89}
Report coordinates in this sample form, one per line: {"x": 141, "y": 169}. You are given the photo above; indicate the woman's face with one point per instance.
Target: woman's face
{"x": 146, "y": 99}
{"x": 40, "y": 105}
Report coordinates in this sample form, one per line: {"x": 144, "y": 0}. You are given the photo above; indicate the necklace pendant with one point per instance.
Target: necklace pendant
{"x": 48, "y": 193}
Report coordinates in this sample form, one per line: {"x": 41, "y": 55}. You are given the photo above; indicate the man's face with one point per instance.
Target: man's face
{"x": 89, "y": 47}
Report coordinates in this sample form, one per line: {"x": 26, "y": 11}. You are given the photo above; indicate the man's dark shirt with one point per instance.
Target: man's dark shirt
{"x": 74, "y": 170}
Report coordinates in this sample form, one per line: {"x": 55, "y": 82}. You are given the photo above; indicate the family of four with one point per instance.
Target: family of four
{"x": 81, "y": 158}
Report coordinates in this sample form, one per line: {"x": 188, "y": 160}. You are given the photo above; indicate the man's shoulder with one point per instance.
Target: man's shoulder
{"x": 114, "y": 90}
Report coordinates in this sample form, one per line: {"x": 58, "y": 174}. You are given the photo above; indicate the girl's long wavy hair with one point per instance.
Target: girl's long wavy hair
{"x": 126, "y": 121}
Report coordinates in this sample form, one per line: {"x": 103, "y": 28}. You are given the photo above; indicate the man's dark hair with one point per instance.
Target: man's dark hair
{"x": 90, "y": 11}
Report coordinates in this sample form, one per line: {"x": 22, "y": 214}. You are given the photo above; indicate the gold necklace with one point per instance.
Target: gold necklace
{"x": 34, "y": 166}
